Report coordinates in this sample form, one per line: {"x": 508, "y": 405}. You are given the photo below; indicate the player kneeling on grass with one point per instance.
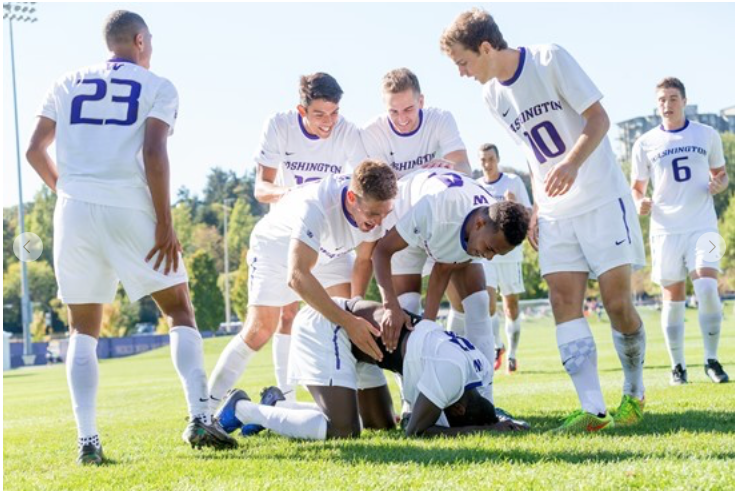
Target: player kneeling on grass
{"x": 441, "y": 373}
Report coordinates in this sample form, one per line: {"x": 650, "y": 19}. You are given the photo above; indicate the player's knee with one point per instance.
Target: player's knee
{"x": 257, "y": 334}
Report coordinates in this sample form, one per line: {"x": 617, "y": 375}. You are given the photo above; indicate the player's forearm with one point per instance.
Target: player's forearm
{"x": 158, "y": 176}
{"x": 460, "y": 161}
{"x": 267, "y": 192}
{"x": 384, "y": 276}
{"x": 44, "y": 166}
{"x": 438, "y": 282}
{"x": 596, "y": 127}
{"x": 303, "y": 282}
{"x": 362, "y": 271}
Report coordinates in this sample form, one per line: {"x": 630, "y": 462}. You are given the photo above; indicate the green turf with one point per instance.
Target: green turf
{"x": 687, "y": 441}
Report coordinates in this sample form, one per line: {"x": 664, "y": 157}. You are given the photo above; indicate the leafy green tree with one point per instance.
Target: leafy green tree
{"x": 239, "y": 296}
{"x": 240, "y": 226}
{"x": 40, "y": 221}
{"x": 727, "y": 230}
{"x": 209, "y": 305}
{"x": 42, "y": 286}
{"x": 10, "y": 227}
{"x": 535, "y": 285}
{"x": 184, "y": 226}
{"x": 206, "y": 237}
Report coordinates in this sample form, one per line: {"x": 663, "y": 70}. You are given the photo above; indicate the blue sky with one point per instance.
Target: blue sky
{"x": 236, "y": 64}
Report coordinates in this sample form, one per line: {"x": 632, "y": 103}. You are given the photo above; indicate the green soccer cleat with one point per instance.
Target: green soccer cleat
{"x": 582, "y": 421}
{"x": 630, "y": 411}
{"x": 90, "y": 454}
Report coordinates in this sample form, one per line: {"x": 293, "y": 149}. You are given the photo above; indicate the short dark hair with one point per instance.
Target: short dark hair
{"x": 319, "y": 86}
{"x": 399, "y": 80}
{"x": 673, "y": 83}
{"x": 375, "y": 180}
{"x": 121, "y": 27}
{"x": 471, "y": 29}
{"x": 510, "y": 218}
{"x": 478, "y": 411}
{"x": 488, "y": 147}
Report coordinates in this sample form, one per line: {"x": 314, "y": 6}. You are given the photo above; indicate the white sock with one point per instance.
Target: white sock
{"x": 672, "y": 324}
{"x": 513, "y": 333}
{"x": 579, "y": 357}
{"x": 710, "y": 315}
{"x": 308, "y": 424}
{"x": 479, "y": 328}
{"x": 281, "y": 348}
{"x": 631, "y": 350}
{"x": 495, "y": 321}
{"x": 296, "y": 405}
{"x": 455, "y": 322}
{"x": 411, "y": 301}
{"x": 187, "y": 353}
{"x": 229, "y": 369}
{"x": 82, "y": 374}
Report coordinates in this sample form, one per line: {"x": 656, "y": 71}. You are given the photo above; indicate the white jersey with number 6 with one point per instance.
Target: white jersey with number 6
{"x": 436, "y": 136}
{"x": 100, "y": 113}
{"x": 678, "y": 163}
{"x": 542, "y": 106}
{"x": 302, "y": 157}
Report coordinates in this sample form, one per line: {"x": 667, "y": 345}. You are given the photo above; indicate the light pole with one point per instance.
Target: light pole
{"x": 227, "y": 273}
{"x": 21, "y": 12}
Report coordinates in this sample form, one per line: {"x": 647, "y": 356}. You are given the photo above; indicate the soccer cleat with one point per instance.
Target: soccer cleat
{"x": 268, "y": 397}
{"x": 582, "y": 421}
{"x": 679, "y": 375}
{"x": 90, "y": 454}
{"x": 630, "y": 411}
{"x": 226, "y": 413}
{"x": 714, "y": 371}
{"x": 198, "y": 434}
{"x": 499, "y": 358}
{"x": 512, "y": 365}
{"x": 504, "y": 415}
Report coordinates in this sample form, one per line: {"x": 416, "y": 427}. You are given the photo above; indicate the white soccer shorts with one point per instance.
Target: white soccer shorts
{"x": 507, "y": 276}
{"x": 673, "y": 256}
{"x": 597, "y": 241}
{"x": 321, "y": 355}
{"x": 95, "y": 246}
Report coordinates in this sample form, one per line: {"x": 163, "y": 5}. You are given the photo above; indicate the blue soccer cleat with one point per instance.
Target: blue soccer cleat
{"x": 268, "y": 397}
{"x": 226, "y": 412}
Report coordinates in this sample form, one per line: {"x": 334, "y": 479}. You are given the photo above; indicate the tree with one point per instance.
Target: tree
{"x": 240, "y": 287}
{"x": 240, "y": 227}
{"x": 42, "y": 288}
{"x": 207, "y": 238}
{"x": 184, "y": 226}
{"x": 40, "y": 221}
{"x": 727, "y": 231}
{"x": 10, "y": 227}
{"x": 205, "y": 295}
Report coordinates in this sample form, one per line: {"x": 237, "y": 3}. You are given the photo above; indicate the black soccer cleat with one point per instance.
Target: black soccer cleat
{"x": 678, "y": 376}
{"x": 715, "y": 372}
{"x": 199, "y": 434}
{"x": 90, "y": 454}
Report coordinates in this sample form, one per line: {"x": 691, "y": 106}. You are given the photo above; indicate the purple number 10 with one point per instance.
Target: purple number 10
{"x": 539, "y": 145}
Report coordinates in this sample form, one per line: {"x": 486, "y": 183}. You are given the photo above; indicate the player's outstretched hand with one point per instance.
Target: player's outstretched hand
{"x": 644, "y": 206}
{"x": 362, "y": 334}
{"x": 560, "y": 178}
{"x": 168, "y": 249}
{"x": 510, "y": 196}
{"x": 533, "y": 230}
{"x": 438, "y": 164}
{"x": 393, "y": 320}
{"x": 718, "y": 184}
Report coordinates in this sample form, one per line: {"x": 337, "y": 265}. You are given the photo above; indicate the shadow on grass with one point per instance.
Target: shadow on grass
{"x": 16, "y": 375}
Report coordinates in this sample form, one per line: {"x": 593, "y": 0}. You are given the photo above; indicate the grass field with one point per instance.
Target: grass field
{"x": 687, "y": 440}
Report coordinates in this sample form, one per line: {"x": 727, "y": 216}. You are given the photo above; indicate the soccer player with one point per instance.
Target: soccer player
{"x": 504, "y": 272}
{"x": 453, "y": 220}
{"x": 112, "y": 223}
{"x": 410, "y": 137}
{"x": 443, "y": 375}
{"x": 297, "y": 147}
{"x": 584, "y": 219}
{"x": 293, "y": 250}
{"x": 686, "y": 163}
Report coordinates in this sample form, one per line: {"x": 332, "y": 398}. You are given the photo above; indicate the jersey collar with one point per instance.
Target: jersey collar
{"x": 462, "y": 239}
{"x": 306, "y": 133}
{"x": 404, "y": 135}
{"x": 496, "y": 180}
{"x": 344, "y": 208}
{"x": 519, "y": 69}
{"x": 118, "y": 59}
{"x": 686, "y": 125}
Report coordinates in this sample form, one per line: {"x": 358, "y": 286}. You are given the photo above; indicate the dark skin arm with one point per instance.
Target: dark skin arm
{"x": 37, "y": 153}
{"x": 157, "y": 171}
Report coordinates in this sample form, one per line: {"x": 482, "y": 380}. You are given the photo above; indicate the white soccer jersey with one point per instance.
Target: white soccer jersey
{"x": 497, "y": 189}
{"x": 678, "y": 163}
{"x": 316, "y": 215}
{"x": 100, "y": 113}
{"x": 436, "y": 136}
{"x": 302, "y": 157}
{"x": 542, "y": 106}
{"x": 431, "y": 209}
{"x": 442, "y": 365}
